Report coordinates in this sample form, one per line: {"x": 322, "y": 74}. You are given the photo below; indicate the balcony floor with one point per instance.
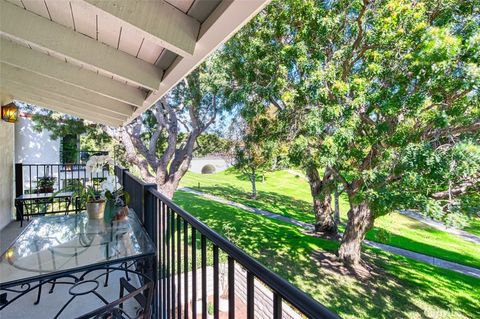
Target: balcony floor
{"x": 9, "y": 233}
{"x": 50, "y": 304}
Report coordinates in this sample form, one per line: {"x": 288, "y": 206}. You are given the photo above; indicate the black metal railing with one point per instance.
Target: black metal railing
{"x": 51, "y": 178}
{"x": 47, "y": 178}
{"x": 188, "y": 261}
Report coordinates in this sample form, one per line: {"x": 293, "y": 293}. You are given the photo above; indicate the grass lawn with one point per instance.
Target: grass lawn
{"x": 286, "y": 194}
{"x": 474, "y": 226}
{"x": 390, "y": 287}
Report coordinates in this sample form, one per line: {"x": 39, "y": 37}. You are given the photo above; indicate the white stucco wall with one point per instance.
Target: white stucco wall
{"x": 198, "y": 163}
{"x": 7, "y": 136}
{"x": 32, "y": 147}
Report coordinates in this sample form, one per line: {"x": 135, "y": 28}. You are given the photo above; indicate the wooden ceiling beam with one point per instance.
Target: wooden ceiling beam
{"x": 158, "y": 20}
{"x": 27, "y": 27}
{"x": 89, "y": 99}
{"x": 19, "y": 93}
{"x": 20, "y": 56}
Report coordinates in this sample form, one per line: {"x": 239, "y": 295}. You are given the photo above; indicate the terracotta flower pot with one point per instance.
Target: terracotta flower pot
{"x": 96, "y": 209}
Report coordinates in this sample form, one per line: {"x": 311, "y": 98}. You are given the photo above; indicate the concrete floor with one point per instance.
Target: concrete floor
{"x": 51, "y": 303}
{"x": 9, "y": 234}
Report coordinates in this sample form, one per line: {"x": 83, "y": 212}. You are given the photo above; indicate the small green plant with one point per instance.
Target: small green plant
{"x": 73, "y": 184}
{"x": 210, "y": 308}
{"x": 87, "y": 194}
{"x": 382, "y": 236}
{"x": 45, "y": 184}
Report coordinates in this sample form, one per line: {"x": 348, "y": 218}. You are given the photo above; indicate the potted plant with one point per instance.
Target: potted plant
{"x": 117, "y": 199}
{"x": 92, "y": 200}
{"x": 45, "y": 184}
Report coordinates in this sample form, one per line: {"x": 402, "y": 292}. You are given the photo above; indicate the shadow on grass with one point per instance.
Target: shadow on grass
{"x": 395, "y": 288}
{"x": 270, "y": 201}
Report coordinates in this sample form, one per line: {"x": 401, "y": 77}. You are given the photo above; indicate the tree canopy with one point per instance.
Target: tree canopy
{"x": 160, "y": 142}
{"x": 382, "y": 93}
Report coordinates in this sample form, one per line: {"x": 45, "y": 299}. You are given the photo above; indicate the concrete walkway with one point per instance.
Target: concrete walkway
{"x": 470, "y": 271}
{"x": 441, "y": 226}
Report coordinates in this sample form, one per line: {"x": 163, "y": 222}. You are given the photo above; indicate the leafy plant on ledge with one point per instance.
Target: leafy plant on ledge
{"x": 45, "y": 184}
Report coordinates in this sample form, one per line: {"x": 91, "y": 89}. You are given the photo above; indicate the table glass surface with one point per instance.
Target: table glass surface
{"x": 70, "y": 243}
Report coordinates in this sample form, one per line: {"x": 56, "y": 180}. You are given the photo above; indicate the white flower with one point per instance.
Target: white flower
{"x": 109, "y": 184}
{"x": 95, "y": 164}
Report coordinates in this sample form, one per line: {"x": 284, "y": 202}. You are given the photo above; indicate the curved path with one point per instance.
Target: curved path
{"x": 441, "y": 226}
{"x": 471, "y": 271}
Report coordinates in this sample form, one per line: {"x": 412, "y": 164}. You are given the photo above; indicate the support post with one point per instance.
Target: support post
{"x": 18, "y": 189}
{"x": 151, "y": 223}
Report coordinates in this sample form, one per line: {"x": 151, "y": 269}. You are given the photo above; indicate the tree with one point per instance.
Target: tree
{"x": 273, "y": 69}
{"x": 253, "y": 154}
{"x": 212, "y": 144}
{"x": 161, "y": 141}
{"x": 382, "y": 93}
{"x": 322, "y": 184}
{"x": 400, "y": 118}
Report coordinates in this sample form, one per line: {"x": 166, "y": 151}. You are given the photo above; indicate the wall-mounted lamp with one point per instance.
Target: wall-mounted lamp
{"x": 9, "y": 112}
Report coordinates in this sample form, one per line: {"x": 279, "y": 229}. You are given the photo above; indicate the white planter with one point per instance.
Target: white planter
{"x": 223, "y": 305}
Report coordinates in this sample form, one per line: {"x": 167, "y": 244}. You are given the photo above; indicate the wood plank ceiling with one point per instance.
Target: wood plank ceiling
{"x": 108, "y": 61}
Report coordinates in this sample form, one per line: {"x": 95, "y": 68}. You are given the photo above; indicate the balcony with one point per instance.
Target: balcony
{"x": 194, "y": 272}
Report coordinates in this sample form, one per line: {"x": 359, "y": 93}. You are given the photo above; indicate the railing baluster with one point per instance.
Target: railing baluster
{"x": 250, "y": 295}
{"x": 161, "y": 253}
{"x": 168, "y": 275}
{"x": 231, "y": 288}
{"x": 204, "y": 276}
{"x": 216, "y": 297}
{"x": 277, "y": 306}
{"x": 30, "y": 174}
{"x": 185, "y": 268}
{"x": 164, "y": 262}
{"x": 173, "y": 265}
{"x": 194, "y": 273}
{"x": 179, "y": 267}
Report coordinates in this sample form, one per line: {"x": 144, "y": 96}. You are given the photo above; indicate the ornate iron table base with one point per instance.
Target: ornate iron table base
{"x": 81, "y": 285}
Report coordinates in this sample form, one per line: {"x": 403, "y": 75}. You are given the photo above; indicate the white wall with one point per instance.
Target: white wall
{"x": 7, "y": 138}
{"x": 32, "y": 147}
{"x": 198, "y": 163}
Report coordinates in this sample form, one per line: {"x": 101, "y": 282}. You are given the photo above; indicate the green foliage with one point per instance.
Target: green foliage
{"x": 45, "y": 184}
{"x": 284, "y": 194}
{"x": 59, "y": 125}
{"x": 254, "y": 153}
{"x": 385, "y": 93}
{"x": 69, "y": 152}
{"x": 382, "y": 236}
{"x": 212, "y": 144}
{"x": 208, "y": 169}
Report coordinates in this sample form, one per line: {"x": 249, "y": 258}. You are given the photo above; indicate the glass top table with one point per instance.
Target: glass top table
{"x": 55, "y": 245}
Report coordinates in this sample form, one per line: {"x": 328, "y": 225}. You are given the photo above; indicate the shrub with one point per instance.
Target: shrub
{"x": 208, "y": 169}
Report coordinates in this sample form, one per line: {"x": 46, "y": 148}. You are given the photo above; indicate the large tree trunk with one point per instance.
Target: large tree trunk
{"x": 322, "y": 202}
{"x": 167, "y": 189}
{"x": 336, "y": 214}
{"x": 360, "y": 220}
{"x": 253, "y": 180}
